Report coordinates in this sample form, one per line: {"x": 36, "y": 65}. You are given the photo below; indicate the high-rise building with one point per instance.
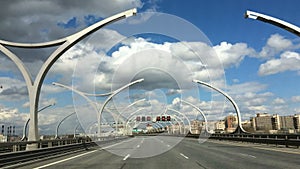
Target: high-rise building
{"x": 263, "y": 122}
{"x": 297, "y": 122}
{"x": 287, "y": 122}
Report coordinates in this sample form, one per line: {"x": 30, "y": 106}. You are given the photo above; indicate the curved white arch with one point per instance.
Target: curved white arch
{"x": 110, "y": 97}
{"x": 58, "y": 125}
{"x": 235, "y": 106}
{"x": 274, "y": 21}
{"x": 200, "y": 111}
{"x": 34, "y": 86}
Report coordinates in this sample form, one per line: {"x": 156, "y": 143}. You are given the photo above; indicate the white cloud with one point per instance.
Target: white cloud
{"x": 288, "y": 61}
{"x": 233, "y": 54}
{"x": 278, "y": 101}
{"x": 275, "y": 44}
{"x": 296, "y": 99}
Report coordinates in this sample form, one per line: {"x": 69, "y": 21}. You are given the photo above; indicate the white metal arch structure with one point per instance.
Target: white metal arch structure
{"x": 131, "y": 116}
{"x": 200, "y": 111}
{"x": 95, "y": 105}
{"x": 34, "y": 85}
{"x": 274, "y": 21}
{"x": 110, "y": 97}
{"x": 240, "y": 128}
{"x": 176, "y": 111}
{"x": 24, "y": 137}
{"x": 132, "y": 104}
{"x": 58, "y": 125}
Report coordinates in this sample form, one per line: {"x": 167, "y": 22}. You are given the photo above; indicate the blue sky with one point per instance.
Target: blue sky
{"x": 256, "y": 63}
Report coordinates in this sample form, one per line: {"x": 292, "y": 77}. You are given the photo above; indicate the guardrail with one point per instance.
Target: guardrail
{"x": 18, "y": 157}
{"x": 21, "y": 146}
{"x": 277, "y": 139}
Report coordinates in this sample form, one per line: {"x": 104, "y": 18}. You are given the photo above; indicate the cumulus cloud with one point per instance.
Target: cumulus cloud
{"x": 296, "y": 99}
{"x": 288, "y": 61}
{"x": 275, "y": 44}
{"x": 278, "y": 101}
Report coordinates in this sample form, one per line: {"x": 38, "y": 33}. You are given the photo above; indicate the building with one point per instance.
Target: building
{"x": 230, "y": 123}
{"x": 196, "y": 127}
{"x": 263, "y": 122}
{"x": 286, "y": 122}
{"x": 297, "y": 122}
{"x": 220, "y": 126}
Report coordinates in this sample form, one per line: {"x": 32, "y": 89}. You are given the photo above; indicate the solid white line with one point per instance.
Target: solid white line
{"x": 184, "y": 156}
{"x": 47, "y": 165}
{"x": 125, "y": 158}
{"x": 248, "y": 155}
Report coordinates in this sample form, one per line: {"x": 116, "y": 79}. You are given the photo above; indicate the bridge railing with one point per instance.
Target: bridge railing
{"x": 21, "y": 145}
{"x": 277, "y": 139}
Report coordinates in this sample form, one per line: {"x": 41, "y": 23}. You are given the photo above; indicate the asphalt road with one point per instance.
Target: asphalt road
{"x": 158, "y": 152}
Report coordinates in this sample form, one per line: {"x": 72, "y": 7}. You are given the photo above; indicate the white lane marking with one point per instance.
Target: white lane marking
{"x": 168, "y": 145}
{"x": 248, "y": 155}
{"x": 125, "y": 158}
{"x": 184, "y": 156}
{"x": 47, "y": 165}
{"x": 67, "y": 159}
{"x": 142, "y": 140}
{"x": 138, "y": 146}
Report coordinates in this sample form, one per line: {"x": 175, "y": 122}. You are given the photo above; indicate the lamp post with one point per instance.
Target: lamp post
{"x": 274, "y": 21}
{"x": 200, "y": 111}
{"x": 190, "y": 129}
{"x": 131, "y": 116}
{"x": 58, "y": 125}
{"x": 24, "y": 137}
{"x": 110, "y": 97}
{"x": 240, "y": 128}
{"x": 132, "y": 104}
{"x": 63, "y": 44}
{"x": 96, "y": 105}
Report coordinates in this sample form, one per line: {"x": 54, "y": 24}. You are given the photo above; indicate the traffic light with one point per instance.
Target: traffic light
{"x": 168, "y": 118}
{"x": 158, "y": 118}
{"x": 163, "y": 118}
{"x": 138, "y": 118}
{"x": 148, "y": 118}
{"x": 143, "y": 118}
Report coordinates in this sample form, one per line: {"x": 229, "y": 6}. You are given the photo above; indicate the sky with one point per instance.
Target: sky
{"x": 168, "y": 43}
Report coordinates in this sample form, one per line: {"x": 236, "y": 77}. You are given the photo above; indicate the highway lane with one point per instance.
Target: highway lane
{"x": 187, "y": 154}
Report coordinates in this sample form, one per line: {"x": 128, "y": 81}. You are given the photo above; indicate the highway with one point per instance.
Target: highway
{"x": 162, "y": 152}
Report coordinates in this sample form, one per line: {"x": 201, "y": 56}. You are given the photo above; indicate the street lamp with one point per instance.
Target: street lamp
{"x": 240, "y": 128}
{"x": 274, "y": 21}
{"x": 58, "y": 125}
{"x": 24, "y": 137}
{"x": 94, "y": 104}
{"x": 200, "y": 111}
{"x": 132, "y": 104}
{"x": 176, "y": 111}
{"x": 34, "y": 85}
{"x": 110, "y": 97}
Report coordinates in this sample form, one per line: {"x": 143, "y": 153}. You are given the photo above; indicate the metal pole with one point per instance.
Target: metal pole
{"x": 34, "y": 86}
{"x": 24, "y": 137}
{"x": 57, "y": 127}
{"x": 240, "y": 128}
{"x": 132, "y": 104}
{"x": 200, "y": 111}
{"x": 109, "y": 98}
{"x": 274, "y": 21}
